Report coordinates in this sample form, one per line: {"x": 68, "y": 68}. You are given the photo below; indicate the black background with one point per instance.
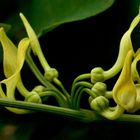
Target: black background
{"x": 77, "y": 47}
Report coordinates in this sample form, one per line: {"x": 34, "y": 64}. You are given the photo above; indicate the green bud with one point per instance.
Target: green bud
{"x": 50, "y": 74}
{"x": 99, "y": 88}
{"x": 33, "y": 97}
{"x": 39, "y": 88}
{"x": 90, "y": 99}
{"x": 99, "y": 104}
{"x": 97, "y": 75}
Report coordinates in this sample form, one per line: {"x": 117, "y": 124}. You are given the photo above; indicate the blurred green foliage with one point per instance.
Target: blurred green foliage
{"x": 45, "y": 15}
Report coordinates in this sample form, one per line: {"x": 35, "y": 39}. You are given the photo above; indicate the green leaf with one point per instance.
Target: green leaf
{"x": 44, "y": 15}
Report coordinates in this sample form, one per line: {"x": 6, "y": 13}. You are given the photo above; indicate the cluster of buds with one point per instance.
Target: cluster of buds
{"x": 13, "y": 61}
{"x": 126, "y": 90}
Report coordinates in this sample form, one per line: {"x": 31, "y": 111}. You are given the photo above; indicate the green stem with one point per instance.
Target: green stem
{"x": 58, "y": 83}
{"x": 35, "y": 70}
{"x": 133, "y": 118}
{"x": 39, "y": 75}
{"x": 118, "y": 64}
{"x": 112, "y": 114}
{"x": 125, "y": 47}
{"x": 82, "y": 83}
{"x": 82, "y": 77}
{"x": 80, "y": 115}
{"x": 60, "y": 98}
{"x": 21, "y": 88}
{"x": 83, "y": 90}
{"x": 74, "y": 99}
{"x": 108, "y": 94}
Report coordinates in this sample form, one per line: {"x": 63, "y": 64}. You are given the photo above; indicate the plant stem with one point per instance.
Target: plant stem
{"x": 39, "y": 75}
{"x": 58, "y": 83}
{"x": 60, "y": 98}
{"x": 81, "y": 83}
{"x": 82, "y": 77}
{"x": 83, "y": 115}
{"x": 76, "y": 89}
{"x": 83, "y": 90}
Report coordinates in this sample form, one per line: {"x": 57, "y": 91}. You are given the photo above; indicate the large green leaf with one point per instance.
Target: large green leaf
{"x": 45, "y": 15}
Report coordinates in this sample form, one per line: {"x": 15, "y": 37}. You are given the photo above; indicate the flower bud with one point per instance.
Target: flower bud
{"x": 39, "y": 88}
{"x": 50, "y": 74}
{"x": 99, "y": 88}
{"x": 33, "y": 97}
{"x": 124, "y": 91}
{"x": 97, "y": 75}
{"x": 99, "y": 104}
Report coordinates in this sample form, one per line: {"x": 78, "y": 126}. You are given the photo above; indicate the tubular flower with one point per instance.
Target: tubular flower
{"x": 124, "y": 91}
{"x": 10, "y": 51}
{"x": 135, "y": 74}
{"x": 136, "y": 79}
{"x": 50, "y": 73}
{"x": 98, "y": 74}
{"x": 13, "y": 62}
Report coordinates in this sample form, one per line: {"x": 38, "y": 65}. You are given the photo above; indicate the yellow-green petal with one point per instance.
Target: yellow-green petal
{"x": 49, "y": 73}
{"x": 9, "y": 54}
{"x": 34, "y": 42}
{"x": 125, "y": 46}
{"x": 135, "y": 73}
{"x": 124, "y": 91}
{"x": 137, "y": 104}
{"x": 11, "y": 81}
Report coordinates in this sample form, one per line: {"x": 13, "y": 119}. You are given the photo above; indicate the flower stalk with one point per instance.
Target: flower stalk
{"x": 125, "y": 93}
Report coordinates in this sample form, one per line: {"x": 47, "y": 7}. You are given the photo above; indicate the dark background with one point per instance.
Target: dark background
{"x": 75, "y": 48}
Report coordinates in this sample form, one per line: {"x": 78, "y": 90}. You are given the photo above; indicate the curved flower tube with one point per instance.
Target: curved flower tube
{"x": 50, "y": 73}
{"x": 124, "y": 91}
{"x": 9, "y": 51}
{"x": 136, "y": 78}
{"x": 98, "y": 74}
{"x": 12, "y": 68}
{"x": 135, "y": 74}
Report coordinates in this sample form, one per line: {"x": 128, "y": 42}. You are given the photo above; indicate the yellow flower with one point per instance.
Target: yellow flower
{"x": 135, "y": 74}
{"x": 9, "y": 54}
{"x": 50, "y": 73}
{"x": 124, "y": 91}
{"x": 13, "y": 62}
{"x": 136, "y": 79}
{"x": 98, "y": 74}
